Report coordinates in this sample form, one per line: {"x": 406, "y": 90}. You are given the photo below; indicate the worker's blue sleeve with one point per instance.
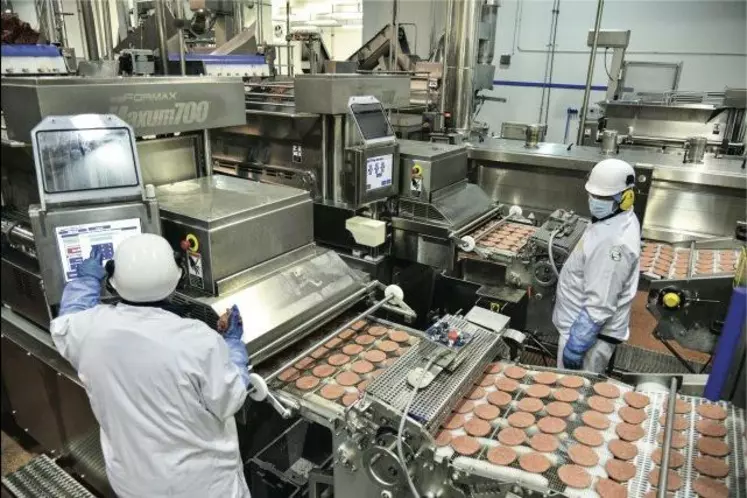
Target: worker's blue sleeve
{"x": 236, "y": 347}
{"x": 583, "y": 335}
{"x": 84, "y": 292}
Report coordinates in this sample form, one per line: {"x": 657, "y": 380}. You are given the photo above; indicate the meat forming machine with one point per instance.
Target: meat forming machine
{"x": 78, "y": 181}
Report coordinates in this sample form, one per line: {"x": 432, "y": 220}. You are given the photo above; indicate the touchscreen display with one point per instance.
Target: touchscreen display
{"x": 75, "y": 242}
{"x": 378, "y": 172}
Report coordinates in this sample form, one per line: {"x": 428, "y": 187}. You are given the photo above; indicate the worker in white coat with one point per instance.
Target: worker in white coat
{"x": 600, "y": 278}
{"x": 164, "y": 389}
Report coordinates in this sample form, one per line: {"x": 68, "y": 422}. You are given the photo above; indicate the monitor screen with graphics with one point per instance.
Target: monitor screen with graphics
{"x": 75, "y": 242}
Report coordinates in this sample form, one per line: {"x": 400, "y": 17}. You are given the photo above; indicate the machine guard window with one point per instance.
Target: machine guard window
{"x": 75, "y": 160}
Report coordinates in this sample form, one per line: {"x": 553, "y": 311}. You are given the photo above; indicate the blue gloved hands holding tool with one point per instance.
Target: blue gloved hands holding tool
{"x": 232, "y": 328}
{"x": 583, "y": 335}
{"x": 84, "y": 292}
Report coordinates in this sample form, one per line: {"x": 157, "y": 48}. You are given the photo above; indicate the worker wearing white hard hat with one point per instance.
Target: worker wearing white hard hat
{"x": 164, "y": 389}
{"x": 600, "y": 278}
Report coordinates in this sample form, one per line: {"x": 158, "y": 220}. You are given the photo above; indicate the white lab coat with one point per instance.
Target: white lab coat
{"x": 164, "y": 392}
{"x": 601, "y": 275}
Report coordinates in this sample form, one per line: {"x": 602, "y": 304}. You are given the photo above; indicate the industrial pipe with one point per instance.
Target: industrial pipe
{"x": 161, "y": 31}
{"x": 489, "y": 18}
{"x": 60, "y": 23}
{"x": 325, "y": 157}
{"x": 549, "y": 65}
{"x": 182, "y": 45}
{"x": 208, "y": 150}
{"x": 589, "y": 74}
{"x": 16, "y": 233}
{"x": 287, "y": 38}
{"x": 88, "y": 25}
{"x": 394, "y": 42}
{"x": 460, "y": 55}
{"x": 337, "y": 157}
{"x": 107, "y": 20}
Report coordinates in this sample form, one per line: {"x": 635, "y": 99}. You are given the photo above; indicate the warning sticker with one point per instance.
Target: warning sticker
{"x": 194, "y": 267}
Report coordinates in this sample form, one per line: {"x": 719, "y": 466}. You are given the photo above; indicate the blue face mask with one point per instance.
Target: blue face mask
{"x": 601, "y": 208}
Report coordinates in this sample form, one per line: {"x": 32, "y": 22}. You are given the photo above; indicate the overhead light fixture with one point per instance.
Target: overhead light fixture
{"x": 352, "y": 26}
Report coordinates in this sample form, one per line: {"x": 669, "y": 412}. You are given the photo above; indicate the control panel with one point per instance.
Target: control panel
{"x": 570, "y": 228}
{"x": 449, "y": 335}
{"x": 91, "y": 194}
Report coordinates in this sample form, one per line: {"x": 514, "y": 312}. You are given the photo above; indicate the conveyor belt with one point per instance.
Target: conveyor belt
{"x": 320, "y": 357}
{"x": 639, "y": 485}
{"x": 42, "y": 477}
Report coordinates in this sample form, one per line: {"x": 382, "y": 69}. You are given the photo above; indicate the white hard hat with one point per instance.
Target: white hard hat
{"x": 610, "y": 177}
{"x": 144, "y": 269}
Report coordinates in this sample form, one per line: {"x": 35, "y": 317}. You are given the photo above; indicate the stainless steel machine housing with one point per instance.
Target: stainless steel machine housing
{"x": 234, "y": 224}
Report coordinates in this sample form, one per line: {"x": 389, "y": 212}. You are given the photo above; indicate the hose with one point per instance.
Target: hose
{"x": 400, "y": 451}
{"x": 549, "y": 251}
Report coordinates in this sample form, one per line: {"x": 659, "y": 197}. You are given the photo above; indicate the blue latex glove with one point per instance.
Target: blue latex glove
{"x": 236, "y": 348}
{"x": 84, "y": 292}
{"x": 583, "y": 335}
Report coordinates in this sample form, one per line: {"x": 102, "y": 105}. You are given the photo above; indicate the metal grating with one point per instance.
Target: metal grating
{"x": 433, "y": 404}
{"x": 43, "y": 477}
{"x": 634, "y": 359}
{"x": 419, "y": 210}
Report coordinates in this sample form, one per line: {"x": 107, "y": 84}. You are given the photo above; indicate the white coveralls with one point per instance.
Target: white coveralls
{"x": 164, "y": 392}
{"x": 600, "y": 275}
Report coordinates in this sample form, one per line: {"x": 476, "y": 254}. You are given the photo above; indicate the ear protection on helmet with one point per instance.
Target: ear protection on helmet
{"x": 627, "y": 197}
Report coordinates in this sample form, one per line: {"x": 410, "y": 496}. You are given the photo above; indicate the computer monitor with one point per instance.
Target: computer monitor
{"x": 75, "y": 242}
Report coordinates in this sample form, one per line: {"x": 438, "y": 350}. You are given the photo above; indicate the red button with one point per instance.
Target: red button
{"x": 184, "y": 244}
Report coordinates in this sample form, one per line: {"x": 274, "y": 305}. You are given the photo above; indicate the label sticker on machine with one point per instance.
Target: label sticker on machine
{"x": 297, "y": 153}
{"x": 194, "y": 268}
{"x": 75, "y": 242}
{"x": 379, "y": 172}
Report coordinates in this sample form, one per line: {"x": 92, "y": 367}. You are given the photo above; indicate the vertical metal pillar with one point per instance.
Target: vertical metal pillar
{"x": 182, "y": 45}
{"x": 208, "y": 150}
{"x": 88, "y": 25}
{"x": 338, "y": 157}
{"x": 463, "y": 17}
{"x": 161, "y": 31}
{"x": 325, "y": 157}
{"x": 589, "y": 74}
{"x": 107, "y": 20}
